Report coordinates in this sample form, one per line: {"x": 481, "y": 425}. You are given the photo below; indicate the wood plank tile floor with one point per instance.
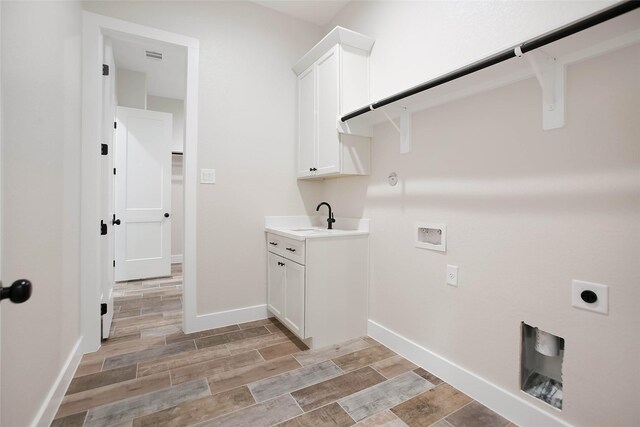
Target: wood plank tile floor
{"x": 149, "y": 373}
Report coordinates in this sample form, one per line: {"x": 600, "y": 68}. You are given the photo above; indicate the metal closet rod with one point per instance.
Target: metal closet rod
{"x": 535, "y": 43}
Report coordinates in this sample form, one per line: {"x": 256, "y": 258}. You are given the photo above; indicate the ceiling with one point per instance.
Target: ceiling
{"x": 166, "y": 78}
{"x": 319, "y": 12}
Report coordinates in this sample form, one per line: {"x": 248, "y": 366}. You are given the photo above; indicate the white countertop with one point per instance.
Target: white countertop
{"x": 304, "y": 227}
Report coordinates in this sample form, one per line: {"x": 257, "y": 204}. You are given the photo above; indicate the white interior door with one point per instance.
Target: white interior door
{"x": 1, "y": 259}
{"x": 143, "y": 194}
{"x": 107, "y": 209}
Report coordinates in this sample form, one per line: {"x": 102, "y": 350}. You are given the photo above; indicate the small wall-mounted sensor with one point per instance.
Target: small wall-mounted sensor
{"x": 431, "y": 236}
{"x": 207, "y": 176}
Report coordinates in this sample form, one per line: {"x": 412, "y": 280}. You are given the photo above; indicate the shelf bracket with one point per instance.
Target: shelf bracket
{"x": 550, "y": 74}
{"x": 404, "y": 129}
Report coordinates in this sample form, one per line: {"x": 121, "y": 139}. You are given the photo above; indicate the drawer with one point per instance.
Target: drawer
{"x": 289, "y": 248}
{"x": 274, "y": 242}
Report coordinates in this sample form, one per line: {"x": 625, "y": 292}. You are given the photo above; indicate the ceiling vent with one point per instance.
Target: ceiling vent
{"x": 153, "y": 55}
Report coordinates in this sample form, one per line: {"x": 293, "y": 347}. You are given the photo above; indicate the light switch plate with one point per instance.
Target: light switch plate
{"x": 601, "y": 305}
{"x": 207, "y": 176}
{"x": 452, "y": 275}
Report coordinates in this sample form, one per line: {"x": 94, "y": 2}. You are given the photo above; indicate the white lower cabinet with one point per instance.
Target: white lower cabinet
{"x": 317, "y": 287}
{"x": 294, "y": 293}
{"x": 276, "y": 285}
{"x": 286, "y": 292}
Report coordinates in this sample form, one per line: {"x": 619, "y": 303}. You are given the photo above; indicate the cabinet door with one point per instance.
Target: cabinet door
{"x": 294, "y": 298}
{"x": 306, "y": 122}
{"x": 275, "y": 284}
{"x": 328, "y": 152}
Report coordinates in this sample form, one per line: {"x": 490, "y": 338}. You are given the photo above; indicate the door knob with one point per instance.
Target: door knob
{"x": 166, "y": 214}
{"x": 18, "y": 292}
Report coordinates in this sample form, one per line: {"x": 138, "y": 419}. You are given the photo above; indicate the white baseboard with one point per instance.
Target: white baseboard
{"x": 176, "y": 259}
{"x": 229, "y": 317}
{"x": 499, "y": 400}
{"x": 50, "y": 406}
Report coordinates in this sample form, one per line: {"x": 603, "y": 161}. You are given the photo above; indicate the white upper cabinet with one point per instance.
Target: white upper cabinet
{"x": 333, "y": 79}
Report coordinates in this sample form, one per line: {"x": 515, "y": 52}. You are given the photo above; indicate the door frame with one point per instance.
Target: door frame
{"x": 1, "y": 234}
{"x": 94, "y": 27}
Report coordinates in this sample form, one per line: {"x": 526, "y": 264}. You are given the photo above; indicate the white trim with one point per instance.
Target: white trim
{"x": 176, "y": 259}
{"x": 231, "y": 317}
{"x": 337, "y": 35}
{"x": 52, "y": 402}
{"x": 190, "y": 187}
{"x": 498, "y": 399}
{"x": 93, "y": 28}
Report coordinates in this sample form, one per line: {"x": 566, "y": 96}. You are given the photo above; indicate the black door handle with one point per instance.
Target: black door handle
{"x": 166, "y": 214}
{"x": 18, "y": 292}
{"x": 115, "y": 221}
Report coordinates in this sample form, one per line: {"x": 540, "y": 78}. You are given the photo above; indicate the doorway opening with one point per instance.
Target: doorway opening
{"x": 145, "y": 85}
{"x": 140, "y": 186}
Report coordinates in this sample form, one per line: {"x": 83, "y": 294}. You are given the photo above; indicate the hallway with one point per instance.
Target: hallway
{"x": 150, "y": 373}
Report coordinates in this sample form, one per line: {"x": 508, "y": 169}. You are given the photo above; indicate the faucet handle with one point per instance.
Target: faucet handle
{"x": 331, "y": 219}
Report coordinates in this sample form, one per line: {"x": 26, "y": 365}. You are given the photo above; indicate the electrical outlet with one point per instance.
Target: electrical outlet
{"x": 452, "y": 275}
{"x": 590, "y": 296}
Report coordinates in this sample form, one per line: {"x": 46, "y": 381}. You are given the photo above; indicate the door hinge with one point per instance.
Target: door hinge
{"x": 104, "y": 149}
{"x": 115, "y": 125}
{"x": 105, "y": 70}
{"x": 114, "y": 171}
{"x": 103, "y": 308}
{"x": 114, "y": 262}
{"x": 103, "y": 228}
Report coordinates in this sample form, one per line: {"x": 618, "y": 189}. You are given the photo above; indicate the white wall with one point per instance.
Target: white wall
{"x": 246, "y": 132}
{"x": 420, "y": 40}
{"x": 41, "y": 190}
{"x": 176, "y": 108}
{"x": 131, "y": 88}
{"x": 526, "y": 210}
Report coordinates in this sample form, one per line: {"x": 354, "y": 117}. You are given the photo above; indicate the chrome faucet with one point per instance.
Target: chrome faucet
{"x": 330, "y": 220}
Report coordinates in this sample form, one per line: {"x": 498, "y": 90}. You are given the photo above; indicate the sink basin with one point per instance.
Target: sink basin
{"x": 312, "y": 230}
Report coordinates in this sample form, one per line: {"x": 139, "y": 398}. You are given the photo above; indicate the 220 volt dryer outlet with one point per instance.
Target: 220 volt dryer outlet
{"x": 590, "y": 296}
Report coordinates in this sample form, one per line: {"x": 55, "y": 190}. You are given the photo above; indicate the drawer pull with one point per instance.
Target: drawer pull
{"x": 273, "y": 243}
{"x": 291, "y": 249}
{"x": 280, "y": 263}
